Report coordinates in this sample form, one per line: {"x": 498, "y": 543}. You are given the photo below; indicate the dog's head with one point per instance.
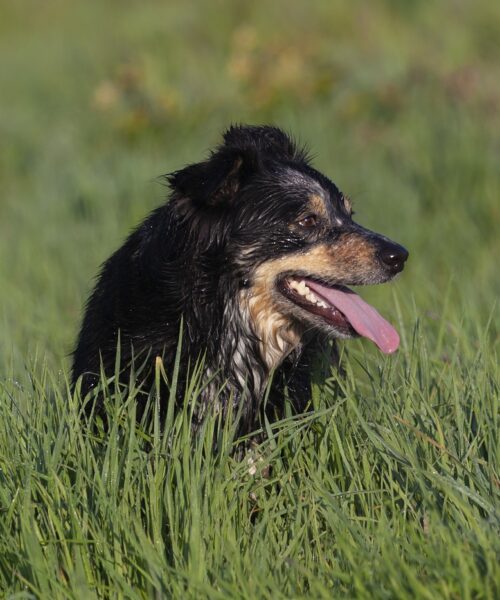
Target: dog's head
{"x": 286, "y": 236}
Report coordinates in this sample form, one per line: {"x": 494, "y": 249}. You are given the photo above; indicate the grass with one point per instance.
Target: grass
{"x": 389, "y": 485}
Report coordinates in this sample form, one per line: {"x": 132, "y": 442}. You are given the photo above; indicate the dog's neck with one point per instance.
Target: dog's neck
{"x": 258, "y": 341}
{"x": 249, "y": 340}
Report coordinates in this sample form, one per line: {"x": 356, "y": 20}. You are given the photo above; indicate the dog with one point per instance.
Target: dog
{"x": 249, "y": 261}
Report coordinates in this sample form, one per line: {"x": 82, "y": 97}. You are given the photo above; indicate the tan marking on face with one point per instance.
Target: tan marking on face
{"x": 278, "y": 335}
{"x": 351, "y": 258}
{"x": 318, "y": 206}
{"x": 354, "y": 258}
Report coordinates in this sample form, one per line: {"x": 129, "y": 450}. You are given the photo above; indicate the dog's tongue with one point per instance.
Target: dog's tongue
{"x": 363, "y": 318}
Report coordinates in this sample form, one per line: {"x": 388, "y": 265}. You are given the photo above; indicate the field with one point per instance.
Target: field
{"x": 389, "y": 486}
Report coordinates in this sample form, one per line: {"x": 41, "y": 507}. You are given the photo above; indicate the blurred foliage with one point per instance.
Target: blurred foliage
{"x": 399, "y": 101}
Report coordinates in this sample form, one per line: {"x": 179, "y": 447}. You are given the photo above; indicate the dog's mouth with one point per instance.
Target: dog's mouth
{"x": 342, "y": 309}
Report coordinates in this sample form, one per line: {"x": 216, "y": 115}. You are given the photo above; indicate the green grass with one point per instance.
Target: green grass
{"x": 389, "y": 486}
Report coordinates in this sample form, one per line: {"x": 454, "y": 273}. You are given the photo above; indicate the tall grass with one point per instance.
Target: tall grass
{"x": 388, "y": 486}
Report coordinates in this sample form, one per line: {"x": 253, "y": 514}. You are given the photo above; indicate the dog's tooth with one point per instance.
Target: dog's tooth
{"x": 317, "y": 300}
{"x": 302, "y": 288}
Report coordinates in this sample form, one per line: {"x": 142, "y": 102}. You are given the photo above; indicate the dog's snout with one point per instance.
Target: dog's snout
{"x": 393, "y": 256}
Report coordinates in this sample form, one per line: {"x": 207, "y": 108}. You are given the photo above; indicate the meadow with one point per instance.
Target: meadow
{"x": 389, "y": 486}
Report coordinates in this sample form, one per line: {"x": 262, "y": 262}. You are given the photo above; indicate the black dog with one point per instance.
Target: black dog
{"x": 252, "y": 252}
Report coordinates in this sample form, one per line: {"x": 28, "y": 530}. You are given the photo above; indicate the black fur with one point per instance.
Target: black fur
{"x": 197, "y": 256}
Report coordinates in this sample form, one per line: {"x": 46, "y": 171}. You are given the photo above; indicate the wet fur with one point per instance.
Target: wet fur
{"x": 212, "y": 255}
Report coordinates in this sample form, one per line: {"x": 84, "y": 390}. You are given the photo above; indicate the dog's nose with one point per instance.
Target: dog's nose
{"x": 393, "y": 256}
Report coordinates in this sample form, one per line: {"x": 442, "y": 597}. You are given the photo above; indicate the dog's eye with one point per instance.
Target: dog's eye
{"x": 309, "y": 222}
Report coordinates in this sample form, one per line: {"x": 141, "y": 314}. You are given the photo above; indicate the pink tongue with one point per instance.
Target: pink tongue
{"x": 364, "y": 319}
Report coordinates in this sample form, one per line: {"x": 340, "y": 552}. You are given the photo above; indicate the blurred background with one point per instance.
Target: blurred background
{"x": 398, "y": 101}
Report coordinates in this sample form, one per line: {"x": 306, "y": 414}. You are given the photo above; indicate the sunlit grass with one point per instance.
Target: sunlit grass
{"x": 388, "y": 486}
{"x": 388, "y": 483}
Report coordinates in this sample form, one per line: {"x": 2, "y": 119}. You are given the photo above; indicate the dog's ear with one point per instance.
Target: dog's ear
{"x": 216, "y": 181}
